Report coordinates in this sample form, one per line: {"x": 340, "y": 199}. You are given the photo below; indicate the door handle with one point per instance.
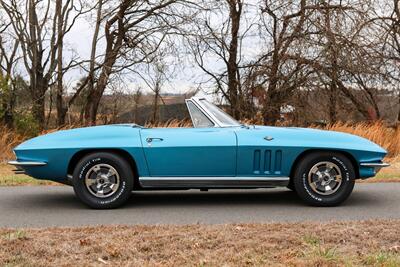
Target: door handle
{"x": 150, "y": 139}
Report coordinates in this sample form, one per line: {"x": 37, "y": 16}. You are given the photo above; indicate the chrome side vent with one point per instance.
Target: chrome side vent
{"x": 267, "y": 162}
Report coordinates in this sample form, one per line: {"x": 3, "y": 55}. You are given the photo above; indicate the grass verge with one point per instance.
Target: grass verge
{"x": 364, "y": 243}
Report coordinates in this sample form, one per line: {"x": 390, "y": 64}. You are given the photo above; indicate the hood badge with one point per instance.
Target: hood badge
{"x": 268, "y": 138}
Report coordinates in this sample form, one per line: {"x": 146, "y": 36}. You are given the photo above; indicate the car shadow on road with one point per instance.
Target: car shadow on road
{"x": 213, "y": 198}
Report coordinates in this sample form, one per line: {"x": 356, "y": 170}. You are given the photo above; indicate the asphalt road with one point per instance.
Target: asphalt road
{"x": 43, "y": 206}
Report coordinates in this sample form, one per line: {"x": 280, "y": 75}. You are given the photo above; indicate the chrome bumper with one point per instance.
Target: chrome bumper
{"x": 26, "y": 163}
{"x": 375, "y": 164}
{"x": 21, "y": 164}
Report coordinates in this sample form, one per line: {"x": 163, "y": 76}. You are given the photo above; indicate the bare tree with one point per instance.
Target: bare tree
{"x": 8, "y": 60}
{"x": 389, "y": 23}
{"x": 87, "y": 83}
{"x": 348, "y": 62}
{"x": 40, "y": 33}
{"x": 315, "y": 45}
{"x": 133, "y": 33}
{"x": 285, "y": 27}
{"x": 218, "y": 33}
{"x": 155, "y": 78}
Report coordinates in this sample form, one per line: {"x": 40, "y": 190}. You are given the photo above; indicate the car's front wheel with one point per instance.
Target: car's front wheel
{"x": 103, "y": 180}
{"x": 324, "y": 178}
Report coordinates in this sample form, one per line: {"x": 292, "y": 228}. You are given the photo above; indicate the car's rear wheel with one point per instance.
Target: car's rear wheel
{"x": 291, "y": 186}
{"x": 324, "y": 178}
{"x": 103, "y": 180}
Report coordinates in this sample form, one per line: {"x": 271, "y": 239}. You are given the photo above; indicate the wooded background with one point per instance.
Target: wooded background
{"x": 310, "y": 61}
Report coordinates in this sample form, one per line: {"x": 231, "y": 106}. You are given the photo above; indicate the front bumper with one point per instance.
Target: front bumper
{"x": 21, "y": 164}
{"x": 370, "y": 169}
{"x": 375, "y": 165}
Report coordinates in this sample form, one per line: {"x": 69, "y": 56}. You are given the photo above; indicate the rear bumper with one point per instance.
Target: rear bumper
{"x": 27, "y": 163}
{"x": 21, "y": 164}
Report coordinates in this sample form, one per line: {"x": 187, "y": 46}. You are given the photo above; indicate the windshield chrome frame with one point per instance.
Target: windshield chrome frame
{"x": 217, "y": 123}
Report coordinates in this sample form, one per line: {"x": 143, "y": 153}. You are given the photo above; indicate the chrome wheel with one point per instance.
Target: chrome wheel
{"x": 102, "y": 180}
{"x": 325, "y": 178}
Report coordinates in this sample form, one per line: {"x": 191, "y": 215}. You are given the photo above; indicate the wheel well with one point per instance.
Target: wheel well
{"x": 311, "y": 151}
{"x": 82, "y": 153}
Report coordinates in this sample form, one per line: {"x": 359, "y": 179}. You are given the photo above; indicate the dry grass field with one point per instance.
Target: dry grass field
{"x": 367, "y": 243}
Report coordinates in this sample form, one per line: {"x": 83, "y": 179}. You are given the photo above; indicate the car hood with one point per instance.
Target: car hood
{"x": 310, "y": 137}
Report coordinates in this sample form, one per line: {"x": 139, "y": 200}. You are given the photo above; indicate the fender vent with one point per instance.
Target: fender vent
{"x": 278, "y": 162}
{"x": 268, "y": 162}
{"x": 257, "y": 161}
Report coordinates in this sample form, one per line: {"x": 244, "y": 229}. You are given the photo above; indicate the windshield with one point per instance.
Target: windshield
{"x": 219, "y": 114}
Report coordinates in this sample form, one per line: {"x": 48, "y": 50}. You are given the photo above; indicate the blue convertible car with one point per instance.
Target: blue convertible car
{"x": 104, "y": 164}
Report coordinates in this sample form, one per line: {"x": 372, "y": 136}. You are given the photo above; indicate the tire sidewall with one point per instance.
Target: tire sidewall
{"x": 116, "y": 199}
{"x": 304, "y": 190}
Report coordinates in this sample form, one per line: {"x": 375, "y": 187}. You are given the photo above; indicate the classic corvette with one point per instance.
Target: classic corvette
{"x": 104, "y": 164}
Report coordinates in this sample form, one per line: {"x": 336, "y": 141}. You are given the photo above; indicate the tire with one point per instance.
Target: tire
{"x": 103, "y": 180}
{"x": 319, "y": 187}
{"x": 291, "y": 186}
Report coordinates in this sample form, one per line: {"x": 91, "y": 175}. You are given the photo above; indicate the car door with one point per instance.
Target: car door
{"x": 190, "y": 152}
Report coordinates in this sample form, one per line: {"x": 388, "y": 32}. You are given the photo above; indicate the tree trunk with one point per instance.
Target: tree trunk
{"x": 157, "y": 90}
{"x": 272, "y": 107}
{"x": 61, "y": 110}
{"x": 114, "y": 40}
{"x": 92, "y": 105}
{"x": 38, "y": 110}
{"x": 60, "y": 105}
{"x": 235, "y": 8}
{"x": 358, "y": 104}
{"x": 38, "y": 87}
{"x": 332, "y": 102}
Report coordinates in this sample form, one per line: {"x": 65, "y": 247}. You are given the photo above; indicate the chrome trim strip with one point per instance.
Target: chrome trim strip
{"x": 19, "y": 171}
{"x": 27, "y": 163}
{"x": 214, "y": 182}
{"x": 374, "y": 165}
